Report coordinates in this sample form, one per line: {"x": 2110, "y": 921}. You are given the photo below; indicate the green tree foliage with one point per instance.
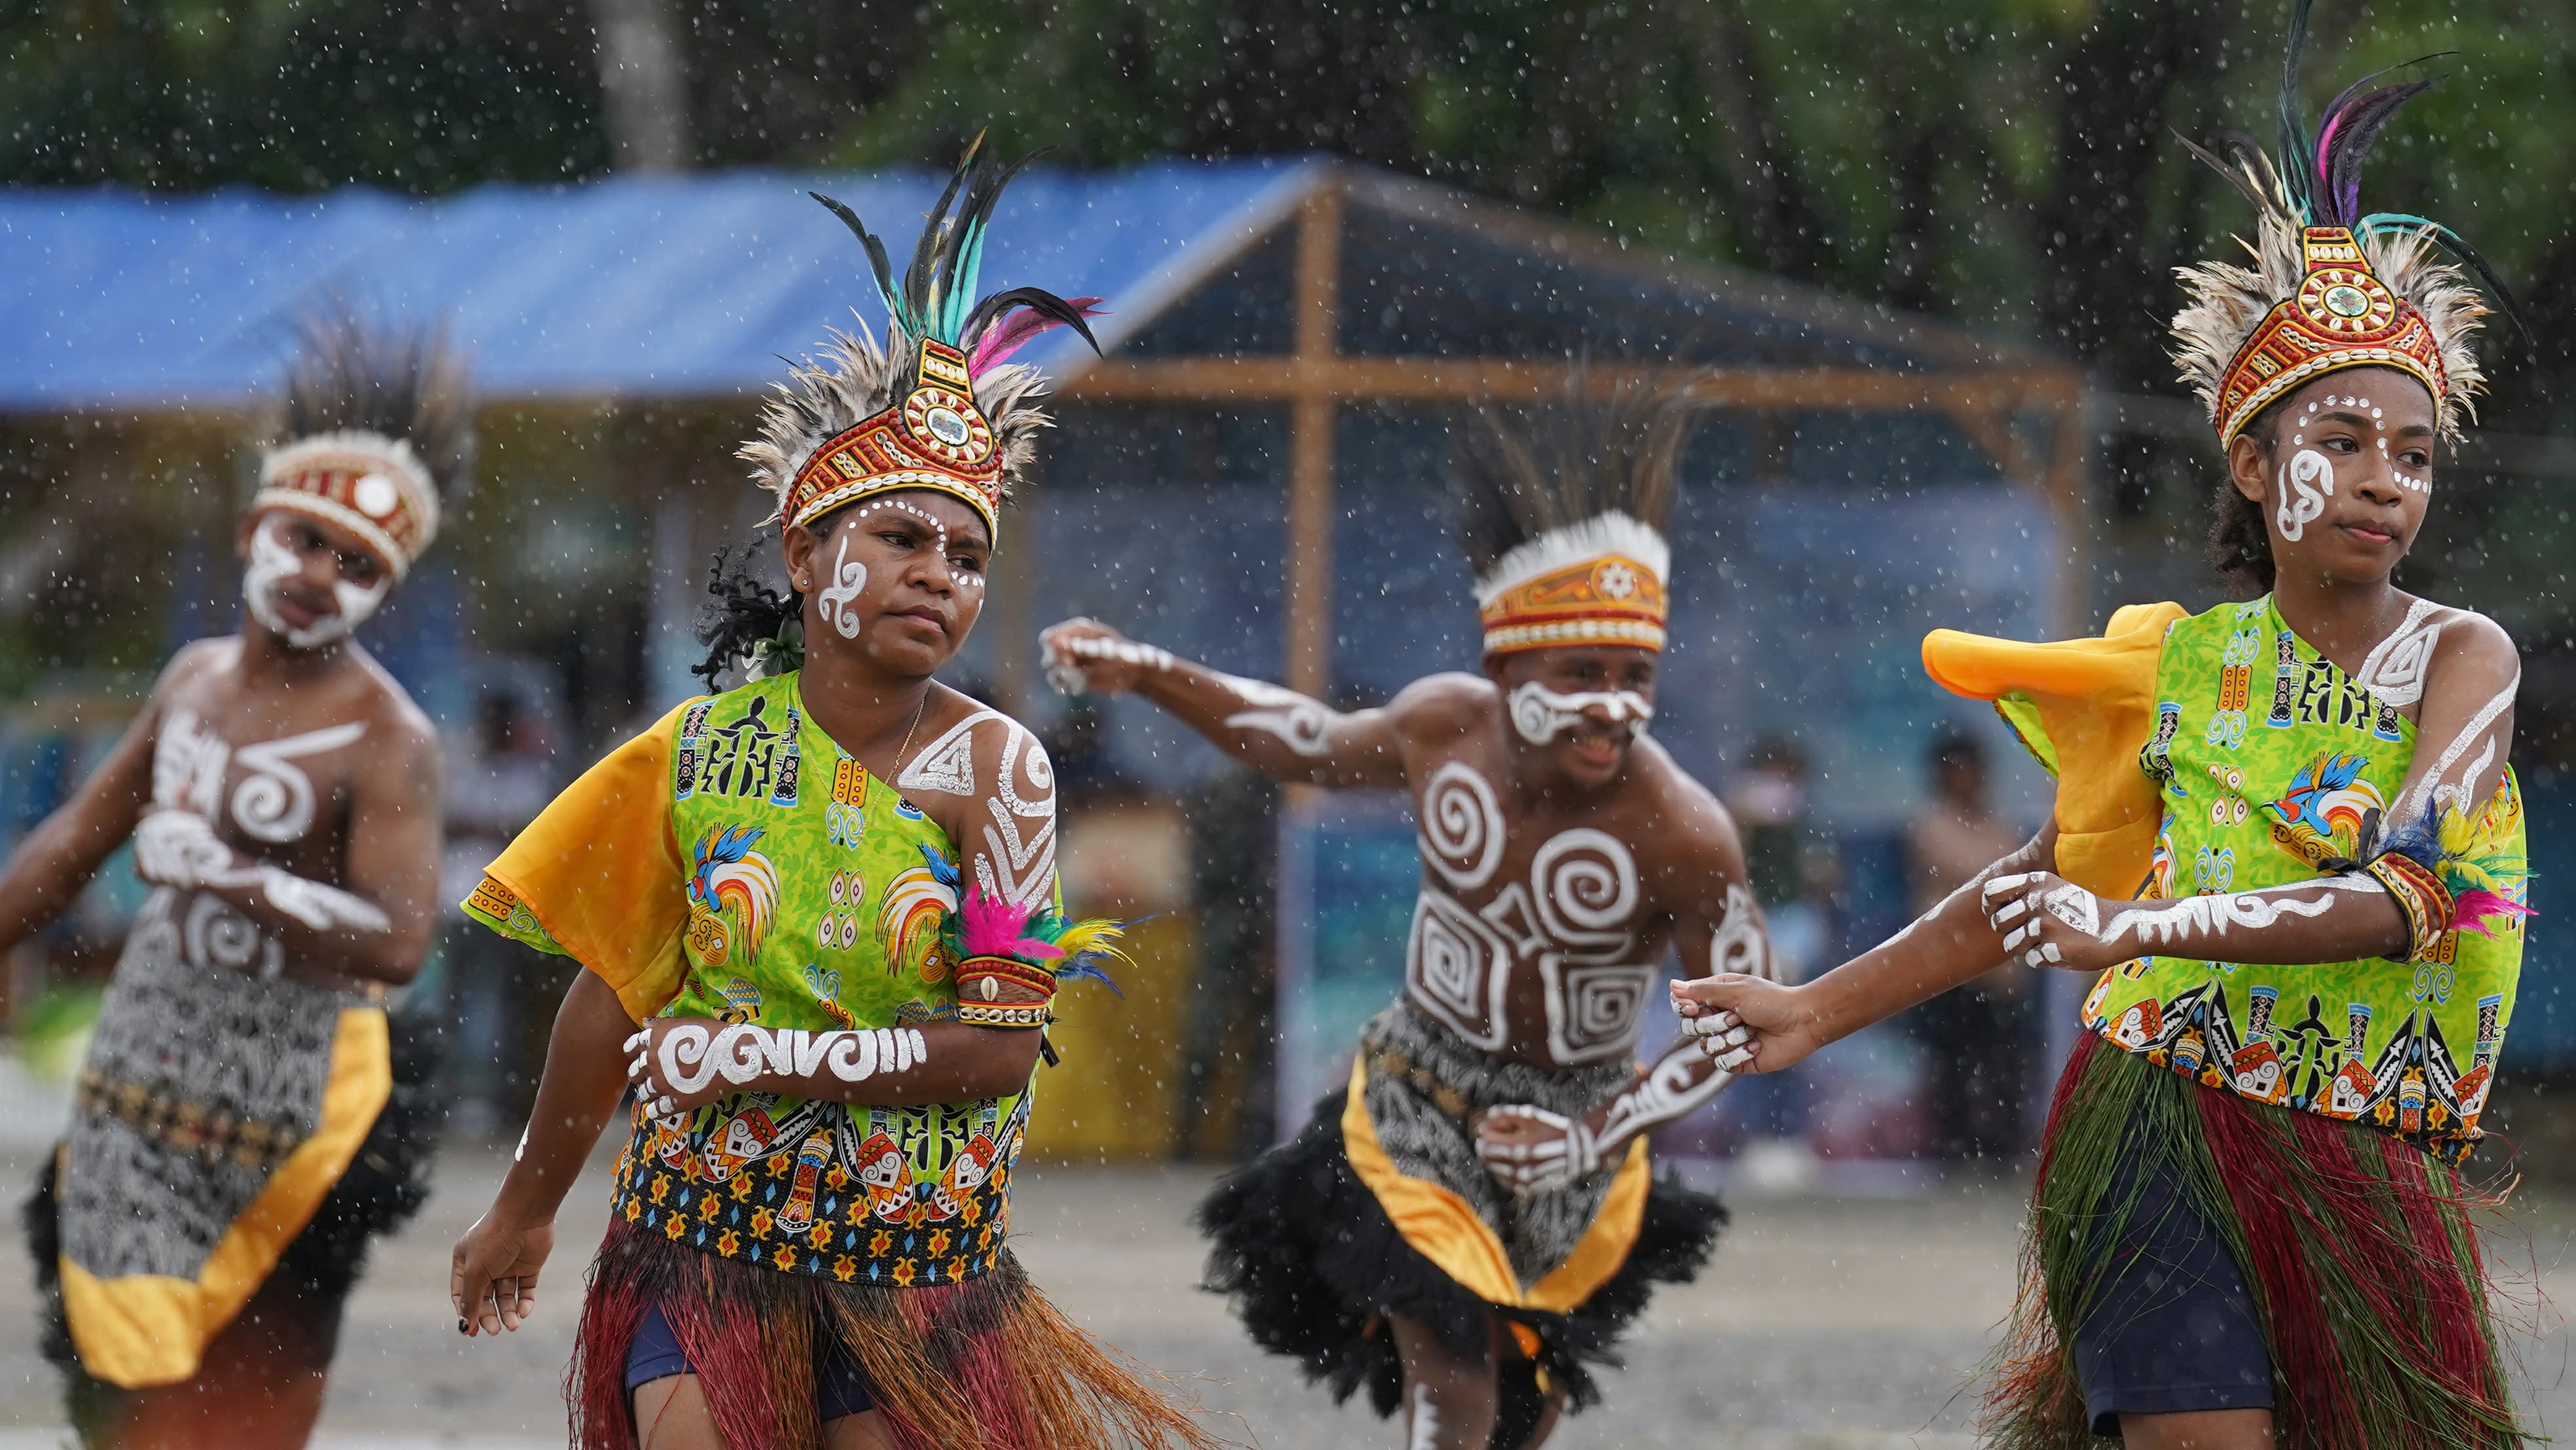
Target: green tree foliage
{"x": 2007, "y": 162}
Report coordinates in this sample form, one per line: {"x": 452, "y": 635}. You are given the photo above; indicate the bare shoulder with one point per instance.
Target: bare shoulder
{"x": 196, "y": 661}
{"x": 1682, "y": 817}
{"x": 2471, "y": 638}
{"x": 398, "y": 723}
{"x": 968, "y": 748}
{"x": 1444, "y": 704}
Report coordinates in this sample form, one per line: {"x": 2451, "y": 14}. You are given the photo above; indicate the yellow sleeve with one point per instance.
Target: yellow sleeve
{"x": 598, "y": 877}
{"x": 2085, "y": 707}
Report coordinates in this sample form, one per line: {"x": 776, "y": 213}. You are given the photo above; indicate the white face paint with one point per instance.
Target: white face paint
{"x": 273, "y": 561}
{"x": 1540, "y": 714}
{"x": 838, "y": 603}
{"x": 2304, "y": 485}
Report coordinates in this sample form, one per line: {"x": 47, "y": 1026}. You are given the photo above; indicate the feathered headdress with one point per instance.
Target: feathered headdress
{"x": 1560, "y": 511}
{"x": 2331, "y": 287}
{"x": 939, "y": 405}
{"x": 378, "y": 419}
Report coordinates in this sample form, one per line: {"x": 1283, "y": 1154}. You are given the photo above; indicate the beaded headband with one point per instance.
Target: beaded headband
{"x": 367, "y": 483}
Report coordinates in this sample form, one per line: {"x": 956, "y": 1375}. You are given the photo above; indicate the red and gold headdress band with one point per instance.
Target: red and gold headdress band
{"x": 936, "y": 438}
{"x": 2331, "y": 287}
{"x": 373, "y": 486}
{"x": 1598, "y": 582}
{"x": 2342, "y": 316}
{"x": 939, "y": 406}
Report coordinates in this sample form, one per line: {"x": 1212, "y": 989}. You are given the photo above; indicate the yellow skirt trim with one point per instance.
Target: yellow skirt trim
{"x": 1442, "y": 1228}
{"x": 152, "y": 1329}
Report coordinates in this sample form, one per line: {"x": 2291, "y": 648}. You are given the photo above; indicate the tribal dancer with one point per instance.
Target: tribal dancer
{"x": 2287, "y": 842}
{"x": 828, "y": 896}
{"x": 1473, "y": 1220}
{"x": 247, "y": 1116}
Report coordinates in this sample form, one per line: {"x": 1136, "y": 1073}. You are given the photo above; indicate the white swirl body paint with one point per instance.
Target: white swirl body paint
{"x": 690, "y": 1058}
{"x": 1586, "y": 886}
{"x": 2305, "y": 483}
{"x": 1303, "y": 725}
{"x": 838, "y": 601}
{"x": 275, "y": 803}
{"x": 1462, "y": 826}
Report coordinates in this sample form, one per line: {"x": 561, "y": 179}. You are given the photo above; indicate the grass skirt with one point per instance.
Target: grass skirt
{"x": 987, "y": 1364}
{"x": 2358, "y": 1249}
{"x": 1314, "y": 1266}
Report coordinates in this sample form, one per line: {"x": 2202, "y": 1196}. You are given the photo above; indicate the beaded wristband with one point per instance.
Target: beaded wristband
{"x": 2420, "y": 895}
{"x": 983, "y": 1014}
{"x": 992, "y": 970}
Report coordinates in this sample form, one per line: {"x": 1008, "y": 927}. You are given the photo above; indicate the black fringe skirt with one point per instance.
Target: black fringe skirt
{"x": 1315, "y": 1267}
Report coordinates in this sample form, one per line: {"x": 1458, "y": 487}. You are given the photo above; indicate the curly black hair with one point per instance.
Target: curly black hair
{"x": 745, "y": 610}
{"x": 2240, "y": 547}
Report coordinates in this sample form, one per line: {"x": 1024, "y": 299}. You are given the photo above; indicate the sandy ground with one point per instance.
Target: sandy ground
{"x": 1826, "y": 1321}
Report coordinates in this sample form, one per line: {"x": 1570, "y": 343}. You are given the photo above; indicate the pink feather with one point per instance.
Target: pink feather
{"x": 2479, "y": 908}
{"x": 992, "y": 927}
{"x": 1014, "y": 332}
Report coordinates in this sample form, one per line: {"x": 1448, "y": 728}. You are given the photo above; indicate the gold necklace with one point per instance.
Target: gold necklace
{"x": 906, "y": 747}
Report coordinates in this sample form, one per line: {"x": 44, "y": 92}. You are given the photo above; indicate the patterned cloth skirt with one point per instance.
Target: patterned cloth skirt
{"x": 205, "y": 1072}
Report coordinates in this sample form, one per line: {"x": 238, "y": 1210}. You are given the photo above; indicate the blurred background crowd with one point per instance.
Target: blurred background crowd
{"x": 1927, "y": 246}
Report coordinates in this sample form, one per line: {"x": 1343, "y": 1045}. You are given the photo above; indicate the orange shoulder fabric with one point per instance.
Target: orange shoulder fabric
{"x": 601, "y": 874}
{"x": 2085, "y": 707}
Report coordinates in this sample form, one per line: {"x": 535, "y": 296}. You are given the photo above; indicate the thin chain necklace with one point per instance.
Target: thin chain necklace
{"x": 906, "y": 747}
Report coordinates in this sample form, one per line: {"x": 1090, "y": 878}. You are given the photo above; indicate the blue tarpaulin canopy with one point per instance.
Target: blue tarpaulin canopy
{"x": 634, "y": 286}
{"x": 695, "y": 286}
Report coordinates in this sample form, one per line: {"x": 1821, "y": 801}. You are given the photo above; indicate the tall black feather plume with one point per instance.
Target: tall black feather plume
{"x": 399, "y": 380}
{"x": 878, "y": 261}
{"x": 1524, "y": 472}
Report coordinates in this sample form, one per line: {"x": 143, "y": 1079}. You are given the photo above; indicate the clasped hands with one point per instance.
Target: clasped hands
{"x": 2046, "y": 920}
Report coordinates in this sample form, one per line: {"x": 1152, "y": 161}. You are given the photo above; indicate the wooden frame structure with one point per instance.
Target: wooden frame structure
{"x": 1995, "y": 393}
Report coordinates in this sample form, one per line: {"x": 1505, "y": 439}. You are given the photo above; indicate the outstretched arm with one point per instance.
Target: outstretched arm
{"x": 1946, "y": 946}
{"x": 46, "y": 873}
{"x": 1275, "y": 731}
{"x": 2387, "y": 908}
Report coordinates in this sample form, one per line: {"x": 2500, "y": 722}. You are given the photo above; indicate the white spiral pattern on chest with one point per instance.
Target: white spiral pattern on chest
{"x": 1462, "y": 826}
{"x": 1586, "y": 883}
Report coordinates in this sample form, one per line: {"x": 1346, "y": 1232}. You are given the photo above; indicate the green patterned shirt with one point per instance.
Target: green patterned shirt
{"x": 2271, "y": 762}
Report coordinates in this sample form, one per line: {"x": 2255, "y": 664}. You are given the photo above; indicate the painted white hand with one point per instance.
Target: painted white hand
{"x": 1530, "y": 1150}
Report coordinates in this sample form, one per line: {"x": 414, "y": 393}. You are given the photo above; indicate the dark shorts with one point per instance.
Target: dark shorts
{"x": 2172, "y": 1327}
{"x": 656, "y": 1354}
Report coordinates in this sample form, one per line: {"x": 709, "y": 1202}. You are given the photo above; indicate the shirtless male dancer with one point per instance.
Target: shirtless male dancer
{"x": 239, "y": 1129}
{"x": 1474, "y": 1219}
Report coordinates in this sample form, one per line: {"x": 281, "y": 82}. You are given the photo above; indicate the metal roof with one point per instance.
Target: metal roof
{"x": 696, "y": 285}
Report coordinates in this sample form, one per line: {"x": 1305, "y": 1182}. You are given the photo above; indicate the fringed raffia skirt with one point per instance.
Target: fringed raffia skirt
{"x": 2358, "y": 1252}
{"x": 987, "y": 1364}
{"x": 1315, "y": 1265}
